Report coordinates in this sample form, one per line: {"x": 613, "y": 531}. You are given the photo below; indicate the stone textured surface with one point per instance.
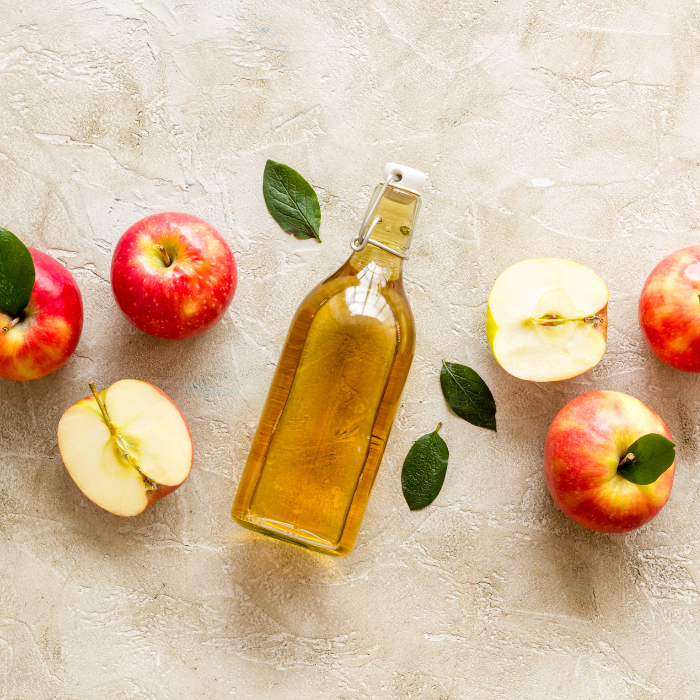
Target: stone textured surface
{"x": 546, "y": 128}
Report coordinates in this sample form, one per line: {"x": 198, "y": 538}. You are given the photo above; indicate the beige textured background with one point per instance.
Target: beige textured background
{"x": 546, "y": 128}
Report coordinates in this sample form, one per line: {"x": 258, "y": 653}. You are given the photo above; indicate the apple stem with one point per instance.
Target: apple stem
{"x": 554, "y": 320}
{"x": 148, "y": 483}
{"x": 11, "y": 324}
{"x": 166, "y": 257}
{"x": 627, "y": 458}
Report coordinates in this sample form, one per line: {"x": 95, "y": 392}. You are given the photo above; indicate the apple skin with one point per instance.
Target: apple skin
{"x": 669, "y": 310}
{"x": 48, "y": 334}
{"x": 181, "y": 300}
{"x": 584, "y": 445}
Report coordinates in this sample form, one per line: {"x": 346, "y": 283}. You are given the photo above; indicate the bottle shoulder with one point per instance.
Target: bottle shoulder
{"x": 350, "y": 302}
{"x": 355, "y": 284}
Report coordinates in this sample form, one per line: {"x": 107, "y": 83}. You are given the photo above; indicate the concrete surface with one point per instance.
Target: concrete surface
{"x": 546, "y": 129}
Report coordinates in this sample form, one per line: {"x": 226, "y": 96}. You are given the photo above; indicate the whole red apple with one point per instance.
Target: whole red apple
{"x": 47, "y": 331}
{"x": 585, "y": 444}
{"x": 669, "y": 309}
{"x": 173, "y": 275}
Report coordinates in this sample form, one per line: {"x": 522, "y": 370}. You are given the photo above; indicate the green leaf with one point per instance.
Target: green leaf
{"x": 16, "y": 274}
{"x": 291, "y": 200}
{"x": 647, "y": 459}
{"x": 424, "y": 469}
{"x": 467, "y": 395}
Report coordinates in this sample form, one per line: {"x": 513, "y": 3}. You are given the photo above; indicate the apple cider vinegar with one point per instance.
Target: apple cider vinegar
{"x": 337, "y": 386}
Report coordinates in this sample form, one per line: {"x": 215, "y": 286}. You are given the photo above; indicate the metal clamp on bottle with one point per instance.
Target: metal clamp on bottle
{"x": 360, "y": 242}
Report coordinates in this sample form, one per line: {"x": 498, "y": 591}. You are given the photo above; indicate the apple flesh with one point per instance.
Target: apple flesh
{"x": 547, "y": 319}
{"x": 669, "y": 310}
{"x": 130, "y": 452}
{"x": 173, "y": 275}
{"x": 585, "y": 444}
{"x": 42, "y": 338}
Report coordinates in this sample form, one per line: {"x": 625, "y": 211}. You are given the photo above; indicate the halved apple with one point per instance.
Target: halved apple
{"x": 547, "y": 319}
{"x": 125, "y": 447}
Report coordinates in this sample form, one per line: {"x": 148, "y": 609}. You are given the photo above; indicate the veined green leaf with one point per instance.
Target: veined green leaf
{"x": 467, "y": 395}
{"x": 424, "y": 470}
{"x": 291, "y": 200}
{"x": 17, "y": 274}
{"x": 647, "y": 459}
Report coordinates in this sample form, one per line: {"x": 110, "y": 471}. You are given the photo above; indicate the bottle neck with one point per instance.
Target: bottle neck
{"x": 398, "y": 210}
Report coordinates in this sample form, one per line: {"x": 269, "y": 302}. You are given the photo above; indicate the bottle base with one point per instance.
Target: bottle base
{"x": 288, "y": 533}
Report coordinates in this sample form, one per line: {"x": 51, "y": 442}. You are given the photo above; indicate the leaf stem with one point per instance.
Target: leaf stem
{"x": 439, "y": 425}
{"x": 166, "y": 258}
{"x": 11, "y": 324}
{"x": 148, "y": 482}
{"x": 467, "y": 395}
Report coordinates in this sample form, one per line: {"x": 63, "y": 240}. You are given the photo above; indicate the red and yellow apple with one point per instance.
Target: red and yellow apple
{"x": 669, "y": 310}
{"x": 45, "y": 334}
{"x": 125, "y": 447}
{"x": 585, "y": 444}
{"x": 173, "y": 275}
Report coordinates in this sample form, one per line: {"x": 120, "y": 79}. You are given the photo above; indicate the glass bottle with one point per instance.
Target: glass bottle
{"x": 337, "y": 386}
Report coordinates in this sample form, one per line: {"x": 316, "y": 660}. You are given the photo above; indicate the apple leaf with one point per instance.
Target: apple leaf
{"x": 467, "y": 395}
{"x": 291, "y": 200}
{"x": 424, "y": 470}
{"x": 17, "y": 274}
{"x": 647, "y": 459}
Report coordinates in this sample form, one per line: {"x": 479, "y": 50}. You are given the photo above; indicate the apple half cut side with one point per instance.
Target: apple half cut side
{"x": 547, "y": 319}
{"x": 125, "y": 447}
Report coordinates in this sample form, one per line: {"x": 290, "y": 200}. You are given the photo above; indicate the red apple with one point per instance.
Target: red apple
{"x": 125, "y": 447}
{"x": 669, "y": 309}
{"x": 585, "y": 444}
{"x": 173, "y": 275}
{"x": 47, "y": 331}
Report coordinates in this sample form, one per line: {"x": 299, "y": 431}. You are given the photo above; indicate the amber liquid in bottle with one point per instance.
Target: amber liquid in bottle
{"x": 334, "y": 395}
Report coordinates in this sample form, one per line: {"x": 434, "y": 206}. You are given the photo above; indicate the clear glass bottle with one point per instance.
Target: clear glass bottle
{"x": 337, "y": 386}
